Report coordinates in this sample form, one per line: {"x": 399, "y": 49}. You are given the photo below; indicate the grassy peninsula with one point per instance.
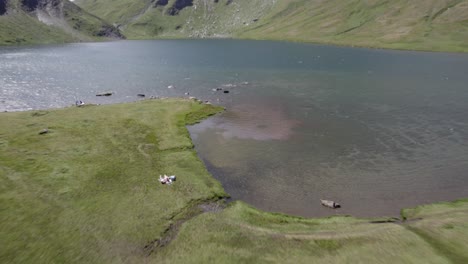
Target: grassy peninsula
{"x": 87, "y": 192}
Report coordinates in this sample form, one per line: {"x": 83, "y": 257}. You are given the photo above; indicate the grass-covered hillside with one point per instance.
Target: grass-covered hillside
{"x": 179, "y": 18}
{"x": 397, "y": 24}
{"x": 401, "y": 24}
{"x": 439, "y": 25}
{"x": 50, "y": 21}
{"x": 88, "y": 192}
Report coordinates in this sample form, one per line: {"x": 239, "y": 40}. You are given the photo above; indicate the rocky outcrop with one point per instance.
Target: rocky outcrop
{"x": 109, "y": 31}
{"x": 161, "y": 3}
{"x": 85, "y": 22}
{"x": 30, "y": 5}
{"x": 3, "y": 7}
{"x": 39, "y": 21}
{"x": 178, "y": 6}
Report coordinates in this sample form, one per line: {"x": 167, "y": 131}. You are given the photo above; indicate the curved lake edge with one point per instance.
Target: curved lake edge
{"x": 198, "y": 117}
{"x": 338, "y": 118}
{"x": 325, "y": 233}
{"x": 405, "y": 213}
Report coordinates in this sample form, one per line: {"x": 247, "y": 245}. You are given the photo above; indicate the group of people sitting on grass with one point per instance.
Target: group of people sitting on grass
{"x": 167, "y": 179}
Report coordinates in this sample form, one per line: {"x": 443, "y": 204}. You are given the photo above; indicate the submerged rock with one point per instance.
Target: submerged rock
{"x": 105, "y": 94}
{"x": 330, "y": 204}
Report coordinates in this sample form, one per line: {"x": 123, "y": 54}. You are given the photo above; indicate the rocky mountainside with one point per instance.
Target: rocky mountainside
{"x": 50, "y": 21}
{"x": 179, "y": 18}
{"x": 401, "y": 24}
{"x": 440, "y": 25}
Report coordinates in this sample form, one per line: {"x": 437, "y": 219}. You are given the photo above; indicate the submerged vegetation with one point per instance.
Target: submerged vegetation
{"x": 88, "y": 191}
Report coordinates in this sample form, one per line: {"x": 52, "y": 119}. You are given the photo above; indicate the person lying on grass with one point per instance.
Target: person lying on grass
{"x": 167, "y": 179}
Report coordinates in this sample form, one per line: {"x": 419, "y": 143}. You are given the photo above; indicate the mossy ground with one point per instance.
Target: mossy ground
{"x": 87, "y": 192}
{"x": 242, "y": 234}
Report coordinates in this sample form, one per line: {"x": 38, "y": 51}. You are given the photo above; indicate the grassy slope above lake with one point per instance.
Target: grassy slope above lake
{"x": 87, "y": 192}
{"x": 62, "y": 21}
{"x": 143, "y": 19}
{"x": 439, "y": 25}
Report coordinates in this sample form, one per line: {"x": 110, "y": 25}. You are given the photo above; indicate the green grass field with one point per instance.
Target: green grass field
{"x": 88, "y": 192}
{"x": 242, "y": 234}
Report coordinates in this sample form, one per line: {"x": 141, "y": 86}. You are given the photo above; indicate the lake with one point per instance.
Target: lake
{"x": 375, "y": 130}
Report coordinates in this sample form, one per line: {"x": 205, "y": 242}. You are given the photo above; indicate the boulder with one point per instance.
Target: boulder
{"x": 330, "y": 204}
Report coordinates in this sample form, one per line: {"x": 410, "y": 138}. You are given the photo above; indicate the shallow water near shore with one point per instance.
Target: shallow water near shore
{"x": 375, "y": 130}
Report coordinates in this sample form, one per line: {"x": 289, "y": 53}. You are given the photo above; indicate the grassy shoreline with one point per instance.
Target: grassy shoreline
{"x": 402, "y": 47}
{"x": 87, "y": 191}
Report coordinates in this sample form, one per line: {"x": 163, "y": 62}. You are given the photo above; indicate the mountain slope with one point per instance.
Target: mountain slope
{"x": 406, "y": 24}
{"x": 179, "y": 18}
{"x": 49, "y": 21}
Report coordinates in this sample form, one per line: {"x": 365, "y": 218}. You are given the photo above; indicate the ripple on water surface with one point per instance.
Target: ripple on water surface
{"x": 374, "y": 130}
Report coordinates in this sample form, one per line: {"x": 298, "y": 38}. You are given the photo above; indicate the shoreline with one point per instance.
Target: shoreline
{"x": 88, "y": 187}
{"x": 200, "y": 118}
{"x": 318, "y": 43}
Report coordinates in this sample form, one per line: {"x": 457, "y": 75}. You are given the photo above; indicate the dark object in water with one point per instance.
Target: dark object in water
{"x": 330, "y": 204}
{"x": 104, "y": 94}
{"x": 141, "y": 95}
{"x": 44, "y": 131}
{"x": 225, "y": 91}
